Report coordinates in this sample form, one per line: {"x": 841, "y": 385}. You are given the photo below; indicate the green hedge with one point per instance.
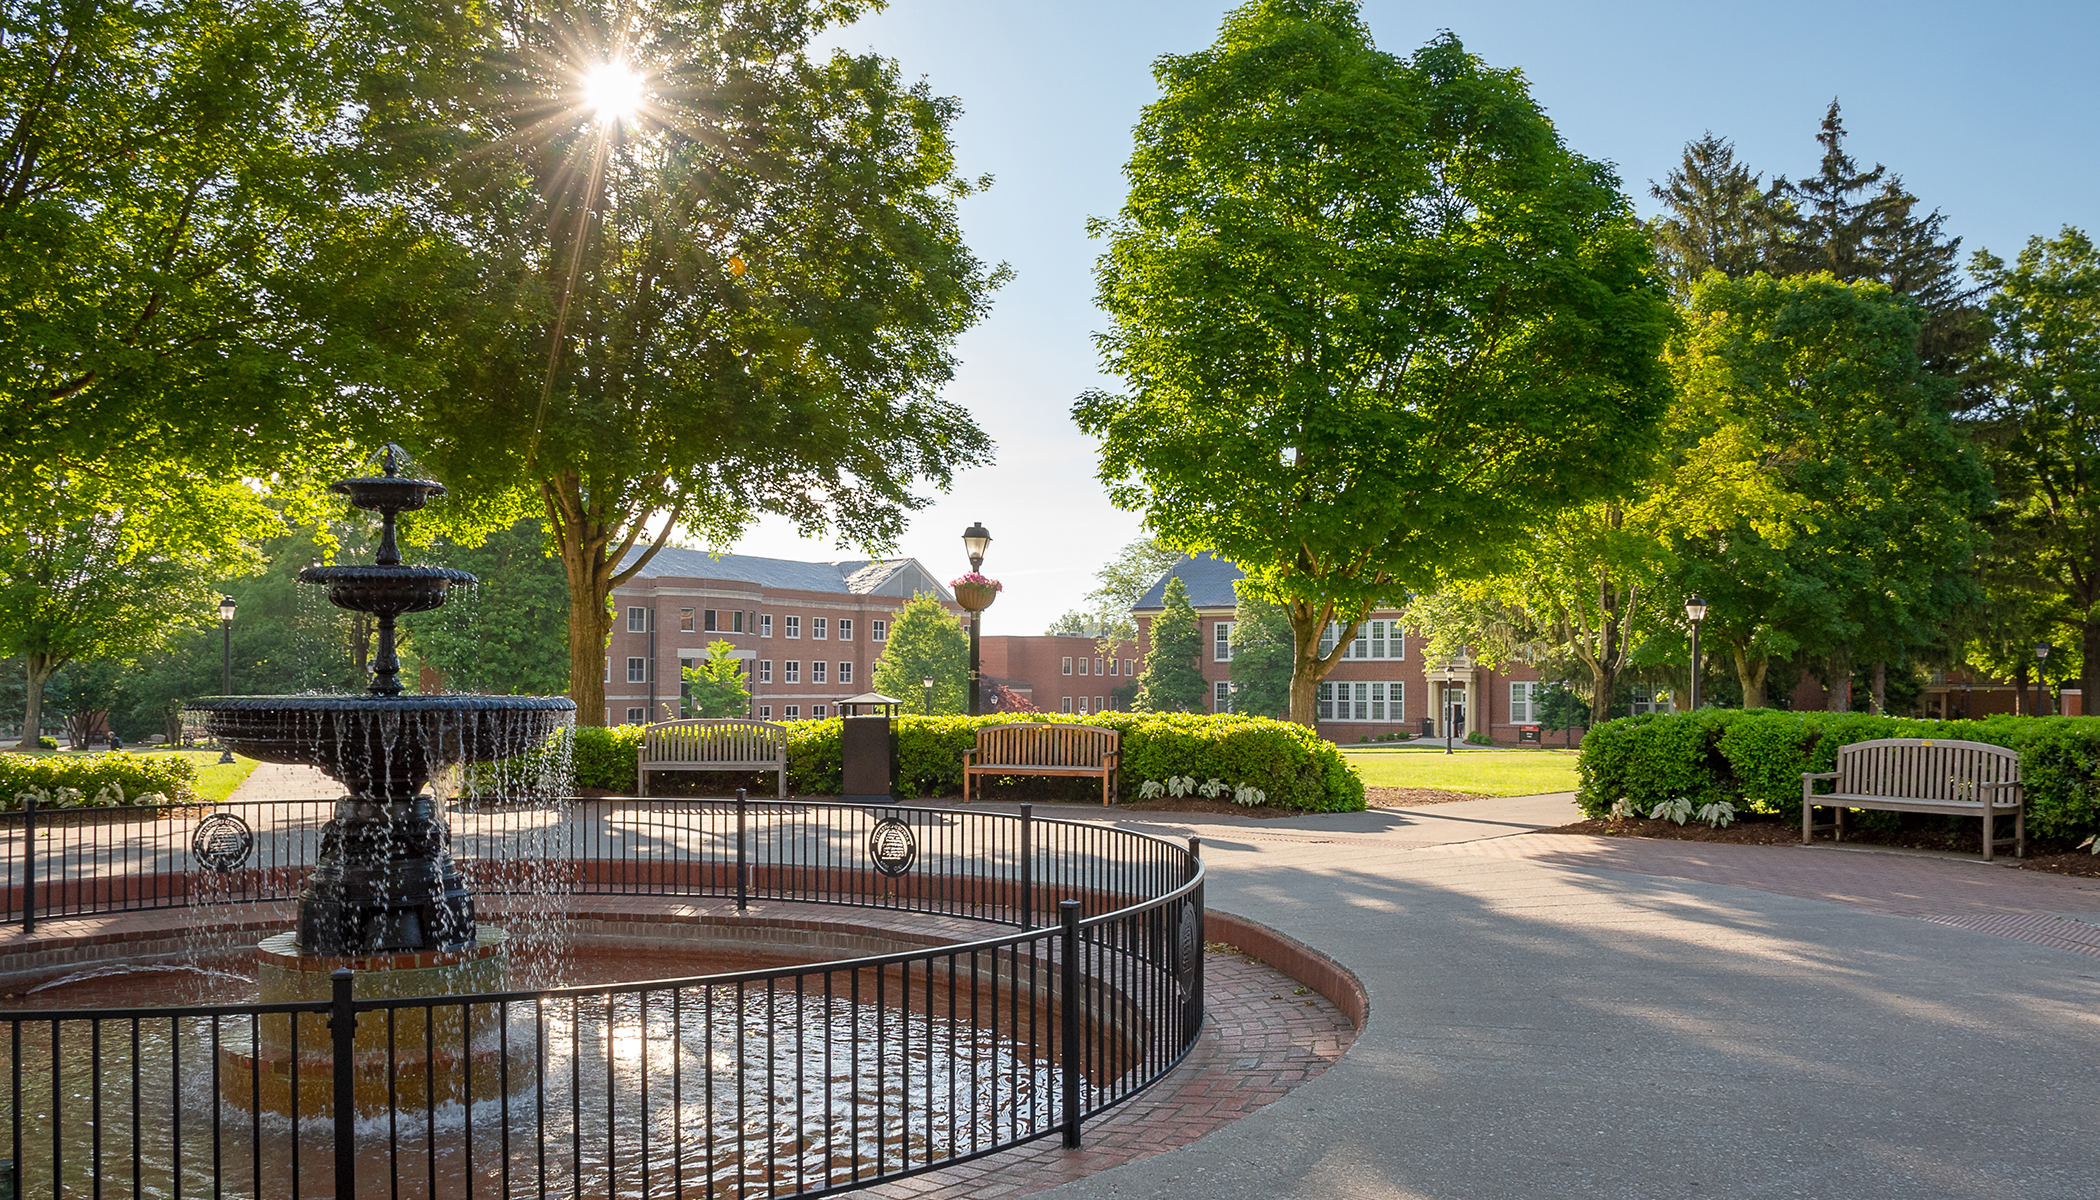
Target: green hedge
{"x": 172, "y": 775}
{"x": 1755, "y": 758}
{"x": 1294, "y": 766}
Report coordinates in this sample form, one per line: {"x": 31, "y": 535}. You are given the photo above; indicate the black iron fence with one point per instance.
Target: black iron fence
{"x": 792, "y": 1081}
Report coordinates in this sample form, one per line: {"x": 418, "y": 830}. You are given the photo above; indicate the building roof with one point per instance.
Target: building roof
{"x": 1208, "y": 579}
{"x": 853, "y": 576}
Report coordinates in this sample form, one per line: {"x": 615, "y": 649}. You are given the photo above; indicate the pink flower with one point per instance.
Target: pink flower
{"x": 979, "y": 580}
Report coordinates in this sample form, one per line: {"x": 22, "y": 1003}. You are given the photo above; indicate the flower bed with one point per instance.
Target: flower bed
{"x": 94, "y": 780}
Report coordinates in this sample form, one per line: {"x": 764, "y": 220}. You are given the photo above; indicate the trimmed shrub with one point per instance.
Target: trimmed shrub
{"x": 1756, "y": 757}
{"x": 172, "y": 775}
{"x": 1292, "y": 765}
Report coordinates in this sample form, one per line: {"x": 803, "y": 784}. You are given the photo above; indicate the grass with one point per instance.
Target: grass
{"x": 215, "y": 780}
{"x": 1482, "y": 772}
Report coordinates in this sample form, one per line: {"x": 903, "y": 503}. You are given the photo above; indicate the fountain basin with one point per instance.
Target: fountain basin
{"x": 385, "y": 591}
{"x": 383, "y": 746}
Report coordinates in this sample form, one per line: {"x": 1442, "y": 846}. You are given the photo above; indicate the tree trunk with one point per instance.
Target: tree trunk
{"x": 1837, "y": 696}
{"x": 1308, "y": 665}
{"x": 38, "y": 670}
{"x": 1881, "y": 689}
{"x": 1604, "y": 682}
{"x": 1751, "y": 671}
{"x": 594, "y": 534}
{"x": 2088, "y": 675}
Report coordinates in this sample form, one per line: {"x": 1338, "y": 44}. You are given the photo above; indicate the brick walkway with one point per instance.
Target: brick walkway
{"x": 1261, "y": 1038}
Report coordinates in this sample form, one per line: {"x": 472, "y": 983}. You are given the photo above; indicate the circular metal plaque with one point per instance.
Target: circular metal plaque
{"x": 222, "y": 842}
{"x": 892, "y": 847}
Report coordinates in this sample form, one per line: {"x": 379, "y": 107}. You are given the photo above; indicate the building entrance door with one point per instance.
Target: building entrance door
{"x": 1455, "y": 711}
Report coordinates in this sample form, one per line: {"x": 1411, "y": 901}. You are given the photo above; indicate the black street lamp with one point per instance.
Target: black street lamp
{"x": 2041, "y": 678}
{"x": 226, "y": 607}
{"x": 1695, "y": 608}
{"x": 928, "y": 681}
{"x": 976, "y": 539}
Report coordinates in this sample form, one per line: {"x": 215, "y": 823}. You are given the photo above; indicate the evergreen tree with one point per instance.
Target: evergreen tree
{"x": 1172, "y": 680}
{"x": 926, "y": 641}
{"x": 1719, "y": 216}
{"x": 715, "y": 687}
{"x": 1261, "y": 658}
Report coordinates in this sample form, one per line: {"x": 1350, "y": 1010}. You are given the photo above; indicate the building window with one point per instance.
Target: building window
{"x": 816, "y": 629}
{"x": 636, "y": 716}
{"x": 845, "y": 672}
{"x": 1068, "y": 666}
{"x": 1381, "y": 640}
{"x": 816, "y": 673}
{"x": 765, "y": 712}
{"x": 1376, "y": 700}
{"x": 1082, "y": 706}
{"x": 794, "y": 627}
{"x": 878, "y": 631}
{"x": 608, "y": 668}
{"x": 707, "y": 621}
{"x": 685, "y": 620}
{"x": 1112, "y": 665}
{"x": 736, "y": 621}
{"x": 791, "y": 711}
{"x": 637, "y": 670}
{"x": 1068, "y": 704}
{"x": 845, "y": 629}
{"x": 1221, "y": 642}
{"x": 685, "y": 689}
{"x": 1099, "y": 706}
{"x": 1097, "y": 670}
{"x": 765, "y": 670}
{"x": 1130, "y": 666}
{"x": 1082, "y": 666}
{"x": 765, "y": 625}
{"x": 817, "y": 711}
{"x": 1221, "y": 696}
{"x": 794, "y": 670}
{"x": 637, "y": 620}
{"x": 1523, "y": 703}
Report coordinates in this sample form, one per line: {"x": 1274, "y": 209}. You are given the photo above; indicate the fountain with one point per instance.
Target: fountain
{"x": 384, "y": 898}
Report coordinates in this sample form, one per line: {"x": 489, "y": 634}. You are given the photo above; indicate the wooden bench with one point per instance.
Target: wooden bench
{"x": 730, "y": 744}
{"x": 1929, "y": 775}
{"x": 1044, "y": 749}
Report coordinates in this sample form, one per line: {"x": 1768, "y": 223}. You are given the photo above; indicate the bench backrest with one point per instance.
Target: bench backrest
{"x": 1045, "y": 745}
{"x": 730, "y": 740}
{"x": 1924, "y": 768}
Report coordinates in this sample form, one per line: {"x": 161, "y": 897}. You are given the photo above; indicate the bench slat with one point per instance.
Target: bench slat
{"x": 1930, "y": 775}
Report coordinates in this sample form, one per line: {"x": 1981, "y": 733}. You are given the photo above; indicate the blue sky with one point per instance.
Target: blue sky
{"x": 1990, "y": 112}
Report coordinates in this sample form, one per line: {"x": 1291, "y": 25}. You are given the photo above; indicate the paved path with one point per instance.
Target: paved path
{"x": 1554, "y": 1016}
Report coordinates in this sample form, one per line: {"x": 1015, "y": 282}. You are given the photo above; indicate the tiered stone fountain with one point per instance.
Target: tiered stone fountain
{"x": 385, "y": 898}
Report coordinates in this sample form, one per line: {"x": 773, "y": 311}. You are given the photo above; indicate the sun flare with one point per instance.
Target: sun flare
{"x": 612, "y": 91}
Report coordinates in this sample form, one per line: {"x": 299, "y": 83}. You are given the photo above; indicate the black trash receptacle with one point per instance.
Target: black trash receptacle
{"x": 1428, "y": 727}
{"x": 864, "y": 744}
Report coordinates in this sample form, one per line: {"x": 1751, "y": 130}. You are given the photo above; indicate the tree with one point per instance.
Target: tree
{"x": 1818, "y": 497}
{"x": 1123, "y": 581}
{"x": 1261, "y": 658}
{"x": 1172, "y": 678}
{"x": 2041, "y": 431}
{"x": 1074, "y": 624}
{"x": 91, "y": 570}
{"x": 741, "y": 296}
{"x": 715, "y": 687}
{"x": 509, "y": 636}
{"x": 926, "y": 642}
{"x": 1375, "y": 320}
{"x": 1718, "y": 216}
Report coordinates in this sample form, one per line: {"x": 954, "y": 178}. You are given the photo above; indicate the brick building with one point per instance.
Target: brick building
{"x": 1059, "y": 674}
{"x": 1381, "y": 686}
{"x": 809, "y": 633}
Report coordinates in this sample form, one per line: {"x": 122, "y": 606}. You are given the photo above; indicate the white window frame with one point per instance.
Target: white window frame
{"x": 608, "y": 668}
{"x": 792, "y": 668}
{"x": 1113, "y": 663}
{"x": 1082, "y": 706}
{"x": 685, "y": 620}
{"x": 816, "y": 712}
{"x": 1221, "y": 696}
{"x": 818, "y": 669}
{"x": 1362, "y": 701}
{"x": 1083, "y": 664}
{"x": 878, "y": 630}
{"x": 792, "y": 712}
{"x": 637, "y": 670}
{"x": 637, "y": 619}
{"x": 1523, "y": 699}
{"x": 637, "y": 716}
{"x": 793, "y": 627}
{"x": 817, "y": 628}
{"x": 845, "y": 629}
{"x": 1068, "y": 665}
{"x": 765, "y": 712}
{"x": 765, "y": 670}
{"x": 1221, "y": 642}
{"x": 765, "y": 624}
{"x": 845, "y": 672}
{"x": 708, "y": 621}
{"x": 736, "y": 621}
{"x": 1068, "y": 704}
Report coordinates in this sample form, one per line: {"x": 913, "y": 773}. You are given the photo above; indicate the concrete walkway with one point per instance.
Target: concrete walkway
{"x": 1555, "y": 1016}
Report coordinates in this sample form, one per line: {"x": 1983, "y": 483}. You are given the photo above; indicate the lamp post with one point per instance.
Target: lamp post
{"x": 2041, "y": 678}
{"x": 928, "y": 681}
{"x": 975, "y": 541}
{"x": 1695, "y": 608}
{"x": 226, "y": 607}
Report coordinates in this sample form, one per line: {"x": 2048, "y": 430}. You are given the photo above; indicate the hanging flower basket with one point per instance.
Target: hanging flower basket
{"x": 975, "y": 592}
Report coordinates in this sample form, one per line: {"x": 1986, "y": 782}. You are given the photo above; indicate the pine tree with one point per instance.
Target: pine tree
{"x": 1261, "y": 659}
{"x": 1719, "y": 216}
{"x": 715, "y": 687}
{"x": 1172, "y": 680}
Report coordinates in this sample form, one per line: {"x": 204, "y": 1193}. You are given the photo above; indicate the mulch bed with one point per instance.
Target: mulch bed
{"x": 2077, "y": 862}
{"x": 2042, "y": 856}
{"x": 1399, "y": 797}
{"x": 1746, "y": 833}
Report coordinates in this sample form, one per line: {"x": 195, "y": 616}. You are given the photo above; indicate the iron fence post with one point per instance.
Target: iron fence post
{"x": 1028, "y": 866}
{"x": 743, "y": 865}
{"x": 342, "y": 1024}
{"x": 29, "y": 864}
{"x": 1068, "y": 1013}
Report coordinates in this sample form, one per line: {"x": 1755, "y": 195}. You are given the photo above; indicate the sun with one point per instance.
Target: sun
{"x": 613, "y": 91}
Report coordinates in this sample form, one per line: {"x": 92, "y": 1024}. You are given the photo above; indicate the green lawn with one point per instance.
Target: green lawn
{"x": 215, "y": 780}
{"x": 1482, "y": 772}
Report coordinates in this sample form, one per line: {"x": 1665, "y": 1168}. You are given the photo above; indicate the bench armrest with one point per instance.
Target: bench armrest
{"x": 968, "y": 755}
